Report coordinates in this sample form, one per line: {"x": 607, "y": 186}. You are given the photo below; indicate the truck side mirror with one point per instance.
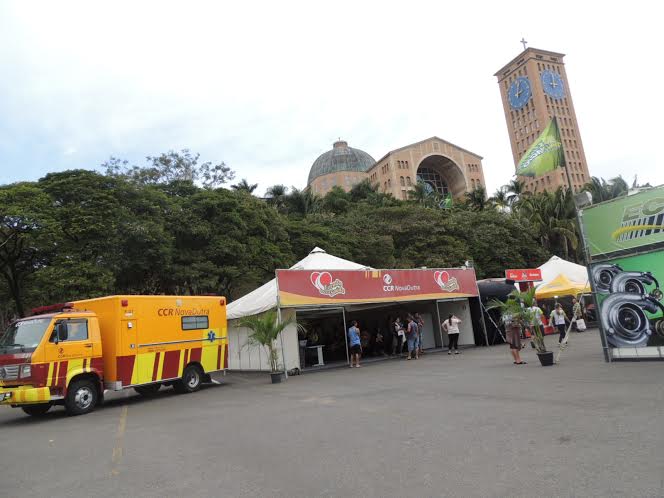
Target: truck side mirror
{"x": 60, "y": 332}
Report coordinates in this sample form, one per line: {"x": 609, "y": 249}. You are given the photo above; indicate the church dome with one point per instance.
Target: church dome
{"x": 340, "y": 158}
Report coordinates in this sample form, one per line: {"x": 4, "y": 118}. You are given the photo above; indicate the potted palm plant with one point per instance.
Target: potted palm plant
{"x": 265, "y": 330}
{"x": 519, "y": 309}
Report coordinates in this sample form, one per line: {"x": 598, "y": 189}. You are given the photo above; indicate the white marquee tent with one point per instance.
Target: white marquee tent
{"x": 557, "y": 266}
{"x": 243, "y": 357}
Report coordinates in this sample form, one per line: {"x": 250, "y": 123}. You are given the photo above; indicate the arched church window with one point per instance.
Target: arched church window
{"x": 402, "y": 181}
{"x": 432, "y": 180}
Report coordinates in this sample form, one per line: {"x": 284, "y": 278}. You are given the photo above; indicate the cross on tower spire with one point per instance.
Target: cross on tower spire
{"x": 524, "y": 42}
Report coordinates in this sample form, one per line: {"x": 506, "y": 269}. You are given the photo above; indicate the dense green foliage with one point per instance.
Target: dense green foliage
{"x": 171, "y": 227}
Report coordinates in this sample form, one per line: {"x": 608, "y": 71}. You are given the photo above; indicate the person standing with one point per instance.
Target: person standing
{"x": 355, "y": 344}
{"x": 398, "y": 337}
{"x": 559, "y": 319}
{"x": 411, "y": 336}
{"x": 420, "y": 331}
{"x": 513, "y": 336}
{"x": 451, "y": 326}
{"x": 536, "y": 321}
{"x": 577, "y": 313}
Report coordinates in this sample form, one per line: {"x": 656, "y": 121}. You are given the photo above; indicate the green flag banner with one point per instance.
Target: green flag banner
{"x": 545, "y": 153}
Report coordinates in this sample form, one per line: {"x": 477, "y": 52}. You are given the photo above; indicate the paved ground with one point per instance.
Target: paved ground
{"x": 472, "y": 425}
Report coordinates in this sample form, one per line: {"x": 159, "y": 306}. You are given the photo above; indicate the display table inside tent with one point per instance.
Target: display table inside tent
{"x": 320, "y": 355}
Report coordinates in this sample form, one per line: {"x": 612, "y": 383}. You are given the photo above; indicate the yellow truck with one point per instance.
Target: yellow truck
{"x": 72, "y": 353}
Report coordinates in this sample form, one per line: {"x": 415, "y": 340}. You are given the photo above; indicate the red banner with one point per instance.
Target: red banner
{"x": 528, "y": 275}
{"x": 306, "y": 287}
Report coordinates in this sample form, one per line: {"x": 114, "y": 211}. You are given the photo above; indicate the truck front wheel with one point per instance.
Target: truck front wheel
{"x": 192, "y": 377}
{"x": 36, "y": 410}
{"x": 81, "y": 397}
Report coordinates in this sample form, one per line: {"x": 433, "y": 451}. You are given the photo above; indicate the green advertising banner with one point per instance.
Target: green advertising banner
{"x": 624, "y": 223}
{"x": 625, "y": 238}
{"x": 545, "y": 153}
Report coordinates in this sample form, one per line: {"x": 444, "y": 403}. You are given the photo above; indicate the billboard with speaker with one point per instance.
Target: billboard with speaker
{"x": 625, "y": 241}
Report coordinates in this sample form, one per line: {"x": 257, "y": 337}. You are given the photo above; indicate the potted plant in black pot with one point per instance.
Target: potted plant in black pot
{"x": 265, "y": 330}
{"x": 519, "y": 309}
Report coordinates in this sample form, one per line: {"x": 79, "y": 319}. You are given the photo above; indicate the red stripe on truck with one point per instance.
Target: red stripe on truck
{"x": 171, "y": 364}
{"x": 155, "y": 367}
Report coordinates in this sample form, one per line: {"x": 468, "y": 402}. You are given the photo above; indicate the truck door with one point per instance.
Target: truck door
{"x": 68, "y": 350}
{"x": 129, "y": 342}
{"x": 129, "y": 334}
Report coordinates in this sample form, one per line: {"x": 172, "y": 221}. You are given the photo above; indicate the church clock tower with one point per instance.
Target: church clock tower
{"x": 534, "y": 88}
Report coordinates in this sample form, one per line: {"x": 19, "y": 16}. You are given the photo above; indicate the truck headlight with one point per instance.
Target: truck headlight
{"x": 26, "y": 371}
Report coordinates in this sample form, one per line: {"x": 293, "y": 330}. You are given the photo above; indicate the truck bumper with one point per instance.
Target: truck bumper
{"x": 24, "y": 395}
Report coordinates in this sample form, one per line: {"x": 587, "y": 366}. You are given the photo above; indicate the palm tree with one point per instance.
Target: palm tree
{"x": 265, "y": 330}
{"x": 476, "y": 199}
{"x": 245, "y": 186}
{"x": 552, "y": 218}
{"x": 424, "y": 195}
{"x": 601, "y": 190}
{"x": 276, "y": 195}
{"x": 501, "y": 199}
{"x": 303, "y": 202}
{"x": 515, "y": 190}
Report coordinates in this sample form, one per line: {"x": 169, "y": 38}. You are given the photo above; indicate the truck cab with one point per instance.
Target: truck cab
{"x": 52, "y": 358}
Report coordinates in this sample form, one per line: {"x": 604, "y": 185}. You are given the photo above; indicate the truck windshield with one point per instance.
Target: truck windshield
{"x": 24, "y": 335}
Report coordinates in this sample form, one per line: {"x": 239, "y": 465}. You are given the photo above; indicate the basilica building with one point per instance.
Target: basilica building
{"x": 444, "y": 168}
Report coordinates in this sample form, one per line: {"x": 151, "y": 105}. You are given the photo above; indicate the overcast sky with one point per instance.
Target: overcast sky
{"x": 268, "y": 86}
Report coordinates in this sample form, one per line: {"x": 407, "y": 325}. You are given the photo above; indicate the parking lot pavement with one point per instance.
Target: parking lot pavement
{"x": 467, "y": 425}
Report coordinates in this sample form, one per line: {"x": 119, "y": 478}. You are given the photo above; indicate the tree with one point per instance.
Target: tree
{"x": 363, "y": 190}
{"x": 26, "y": 237}
{"x": 501, "y": 199}
{"x": 601, "y": 190}
{"x": 244, "y": 186}
{"x": 552, "y": 218}
{"x": 515, "y": 190}
{"x": 170, "y": 167}
{"x": 424, "y": 195}
{"x": 226, "y": 243}
{"x": 476, "y": 199}
{"x": 265, "y": 330}
{"x": 303, "y": 202}
{"x": 336, "y": 201}
{"x": 276, "y": 196}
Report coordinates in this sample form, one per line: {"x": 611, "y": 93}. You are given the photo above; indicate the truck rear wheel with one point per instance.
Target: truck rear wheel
{"x": 81, "y": 397}
{"x": 149, "y": 390}
{"x": 36, "y": 410}
{"x": 191, "y": 381}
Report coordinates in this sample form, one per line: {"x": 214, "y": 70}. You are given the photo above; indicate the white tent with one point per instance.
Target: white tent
{"x": 265, "y": 297}
{"x": 243, "y": 357}
{"x": 557, "y": 266}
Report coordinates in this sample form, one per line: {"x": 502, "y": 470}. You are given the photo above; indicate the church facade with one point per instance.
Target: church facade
{"x": 443, "y": 167}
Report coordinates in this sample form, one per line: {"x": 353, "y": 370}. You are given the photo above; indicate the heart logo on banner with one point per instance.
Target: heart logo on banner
{"x": 441, "y": 277}
{"x": 320, "y": 280}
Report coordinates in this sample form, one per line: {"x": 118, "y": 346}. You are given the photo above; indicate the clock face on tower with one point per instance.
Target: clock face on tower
{"x": 519, "y": 93}
{"x": 553, "y": 84}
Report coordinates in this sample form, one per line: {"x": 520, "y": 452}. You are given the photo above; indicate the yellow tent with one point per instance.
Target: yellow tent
{"x": 561, "y": 286}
